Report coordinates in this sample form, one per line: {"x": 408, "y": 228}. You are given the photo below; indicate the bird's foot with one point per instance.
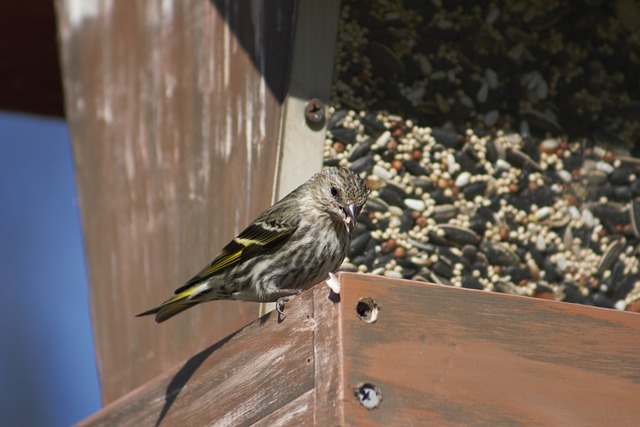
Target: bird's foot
{"x": 288, "y": 293}
{"x": 280, "y": 305}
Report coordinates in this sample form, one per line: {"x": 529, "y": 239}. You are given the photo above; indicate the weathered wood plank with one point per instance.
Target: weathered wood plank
{"x": 439, "y": 355}
{"x": 174, "y": 111}
{"x": 297, "y": 413}
{"x": 460, "y": 357}
{"x": 262, "y": 369}
{"x": 328, "y": 347}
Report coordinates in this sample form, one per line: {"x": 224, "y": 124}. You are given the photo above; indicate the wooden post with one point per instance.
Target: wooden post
{"x": 436, "y": 355}
{"x": 175, "y": 112}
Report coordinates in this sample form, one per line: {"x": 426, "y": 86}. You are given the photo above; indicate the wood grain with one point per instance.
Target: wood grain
{"x": 439, "y": 356}
{"x": 329, "y": 352}
{"x": 174, "y": 110}
{"x": 265, "y": 368}
{"x": 461, "y": 357}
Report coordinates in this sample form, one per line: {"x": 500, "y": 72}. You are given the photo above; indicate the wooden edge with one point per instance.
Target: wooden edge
{"x": 323, "y": 405}
{"x": 453, "y": 356}
{"x": 302, "y": 145}
{"x": 300, "y": 149}
{"x": 263, "y": 368}
{"x": 328, "y": 347}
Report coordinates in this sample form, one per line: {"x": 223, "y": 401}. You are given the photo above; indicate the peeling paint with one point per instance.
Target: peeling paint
{"x": 104, "y": 110}
{"x": 78, "y": 11}
{"x": 170, "y": 83}
{"x": 167, "y": 9}
{"x": 226, "y": 58}
{"x": 129, "y": 161}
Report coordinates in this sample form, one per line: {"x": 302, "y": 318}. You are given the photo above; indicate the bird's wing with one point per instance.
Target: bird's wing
{"x": 263, "y": 235}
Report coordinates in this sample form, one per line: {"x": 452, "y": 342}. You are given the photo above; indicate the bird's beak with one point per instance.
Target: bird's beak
{"x": 352, "y": 212}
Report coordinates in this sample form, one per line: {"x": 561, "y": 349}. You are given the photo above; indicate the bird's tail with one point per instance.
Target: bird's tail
{"x": 174, "y": 305}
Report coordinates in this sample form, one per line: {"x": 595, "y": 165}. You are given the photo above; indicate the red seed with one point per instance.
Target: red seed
{"x": 388, "y": 246}
{"x": 545, "y": 295}
{"x": 400, "y": 252}
{"x": 608, "y": 157}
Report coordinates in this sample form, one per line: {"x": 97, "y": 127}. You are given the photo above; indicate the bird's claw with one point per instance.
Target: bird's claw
{"x": 280, "y": 305}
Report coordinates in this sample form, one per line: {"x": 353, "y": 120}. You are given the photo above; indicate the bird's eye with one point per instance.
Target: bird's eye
{"x": 334, "y": 191}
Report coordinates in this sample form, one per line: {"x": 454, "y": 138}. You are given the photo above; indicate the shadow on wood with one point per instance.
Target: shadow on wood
{"x": 434, "y": 354}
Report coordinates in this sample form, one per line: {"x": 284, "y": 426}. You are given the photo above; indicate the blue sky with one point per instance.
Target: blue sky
{"x": 48, "y": 374}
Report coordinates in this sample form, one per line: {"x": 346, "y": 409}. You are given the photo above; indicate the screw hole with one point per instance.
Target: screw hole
{"x": 367, "y": 310}
{"x": 368, "y": 395}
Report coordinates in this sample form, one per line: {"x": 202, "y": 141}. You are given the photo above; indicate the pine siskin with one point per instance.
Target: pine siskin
{"x": 290, "y": 247}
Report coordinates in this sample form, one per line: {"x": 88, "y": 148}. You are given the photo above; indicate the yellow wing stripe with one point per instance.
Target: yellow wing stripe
{"x": 248, "y": 242}
{"x": 182, "y": 295}
{"x": 231, "y": 258}
{"x": 178, "y": 297}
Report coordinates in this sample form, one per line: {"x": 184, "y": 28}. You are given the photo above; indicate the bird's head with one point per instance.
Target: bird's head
{"x": 345, "y": 193}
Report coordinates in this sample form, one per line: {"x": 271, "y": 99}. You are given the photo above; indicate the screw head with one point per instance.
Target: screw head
{"x": 314, "y": 111}
{"x": 368, "y": 395}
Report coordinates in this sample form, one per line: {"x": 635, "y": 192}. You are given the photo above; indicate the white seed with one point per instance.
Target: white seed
{"x": 543, "y": 213}
{"x": 574, "y": 212}
{"x": 393, "y": 274}
{"x": 604, "y": 167}
{"x": 588, "y": 218}
{"x": 621, "y": 305}
{"x": 561, "y": 262}
{"x": 383, "y": 139}
{"x": 451, "y": 163}
{"x": 381, "y": 172}
{"x": 565, "y": 175}
{"x": 549, "y": 145}
{"x": 541, "y": 243}
{"x": 502, "y": 165}
{"x": 463, "y": 179}
{"x": 396, "y": 212}
{"x": 415, "y": 204}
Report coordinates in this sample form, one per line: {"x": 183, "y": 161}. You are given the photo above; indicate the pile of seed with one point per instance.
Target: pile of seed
{"x": 498, "y": 142}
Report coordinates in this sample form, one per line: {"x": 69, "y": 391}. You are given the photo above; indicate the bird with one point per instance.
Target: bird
{"x": 288, "y": 248}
